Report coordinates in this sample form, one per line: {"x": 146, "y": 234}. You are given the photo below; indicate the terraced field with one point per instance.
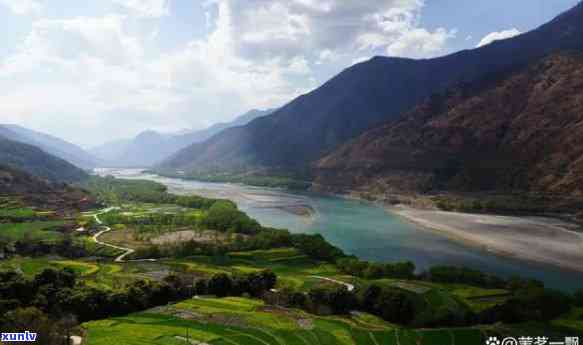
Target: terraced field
{"x": 240, "y": 321}
{"x": 34, "y": 231}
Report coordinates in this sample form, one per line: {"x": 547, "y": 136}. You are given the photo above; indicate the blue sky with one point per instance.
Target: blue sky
{"x": 92, "y": 71}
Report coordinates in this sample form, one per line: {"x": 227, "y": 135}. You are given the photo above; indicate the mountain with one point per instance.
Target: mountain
{"x": 150, "y": 147}
{"x": 202, "y": 135}
{"x": 37, "y": 162}
{"x": 363, "y": 97}
{"x": 110, "y": 151}
{"x": 50, "y": 144}
{"x": 521, "y": 130}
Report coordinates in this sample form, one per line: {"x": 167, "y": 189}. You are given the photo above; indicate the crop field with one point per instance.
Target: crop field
{"x": 34, "y": 231}
{"x": 241, "y": 321}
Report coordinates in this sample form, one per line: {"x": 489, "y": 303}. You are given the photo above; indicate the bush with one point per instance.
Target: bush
{"x": 578, "y": 298}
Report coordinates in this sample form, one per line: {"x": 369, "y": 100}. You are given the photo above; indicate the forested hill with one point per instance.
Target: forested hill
{"x": 516, "y": 131}
{"x": 364, "y": 96}
{"x": 37, "y": 162}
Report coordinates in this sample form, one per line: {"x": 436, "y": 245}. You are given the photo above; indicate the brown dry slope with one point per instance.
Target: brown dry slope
{"x": 519, "y": 130}
{"x": 42, "y": 194}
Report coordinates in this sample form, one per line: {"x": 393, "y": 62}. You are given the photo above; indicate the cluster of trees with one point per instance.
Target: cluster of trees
{"x": 402, "y": 307}
{"x": 578, "y": 298}
{"x": 314, "y": 246}
{"x": 529, "y": 304}
{"x": 463, "y": 275}
{"x": 392, "y": 304}
{"x": 153, "y": 221}
{"x": 436, "y": 274}
{"x": 57, "y": 293}
{"x": 493, "y": 204}
{"x": 115, "y": 191}
{"x": 224, "y": 216}
{"x": 66, "y": 246}
{"x": 252, "y": 180}
{"x": 368, "y": 270}
{"x": 223, "y": 285}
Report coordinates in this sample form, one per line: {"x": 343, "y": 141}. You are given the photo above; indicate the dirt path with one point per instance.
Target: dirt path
{"x": 350, "y": 287}
{"x": 128, "y": 251}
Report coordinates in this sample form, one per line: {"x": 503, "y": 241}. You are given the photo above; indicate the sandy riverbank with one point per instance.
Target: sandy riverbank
{"x": 538, "y": 239}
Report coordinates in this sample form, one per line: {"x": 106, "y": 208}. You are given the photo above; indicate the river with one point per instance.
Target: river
{"x": 361, "y": 228}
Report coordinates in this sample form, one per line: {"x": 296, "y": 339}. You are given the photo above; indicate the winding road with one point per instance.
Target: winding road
{"x": 128, "y": 251}
{"x": 349, "y": 287}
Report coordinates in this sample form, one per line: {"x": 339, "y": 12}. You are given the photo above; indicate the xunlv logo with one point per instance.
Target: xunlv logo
{"x": 18, "y": 337}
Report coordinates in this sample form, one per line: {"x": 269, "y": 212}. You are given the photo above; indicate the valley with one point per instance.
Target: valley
{"x": 292, "y": 172}
{"x": 373, "y": 233}
{"x": 252, "y": 287}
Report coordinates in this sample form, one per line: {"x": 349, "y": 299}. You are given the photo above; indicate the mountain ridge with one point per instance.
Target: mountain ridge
{"x": 37, "y": 162}
{"x": 50, "y": 144}
{"x": 150, "y": 147}
{"x": 517, "y": 131}
{"x": 364, "y": 96}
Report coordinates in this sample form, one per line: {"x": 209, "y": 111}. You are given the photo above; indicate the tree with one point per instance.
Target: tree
{"x": 32, "y": 320}
{"x": 342, "y": 301}
{"x": 220, "y": 285}
{"x": 578, "y": 298}
{"x": 65, "y": 325}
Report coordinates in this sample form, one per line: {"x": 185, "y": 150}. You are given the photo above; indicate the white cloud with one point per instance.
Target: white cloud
{"x": 146, "y": 8}
{"x": 327, "y": 56}
{"x": 500, "y": 35}
{"x": 22, "y": 6}
{"x": 401, "y": 35}
{"x": 110, "y": 73}
{"x": 302, "y": 27}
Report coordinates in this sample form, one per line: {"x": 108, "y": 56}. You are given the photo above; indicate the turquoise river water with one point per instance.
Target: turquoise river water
{"x": 363, "y": 229}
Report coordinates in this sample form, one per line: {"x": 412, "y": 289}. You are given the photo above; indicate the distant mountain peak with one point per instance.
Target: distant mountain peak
{"x": 151, "y": 147}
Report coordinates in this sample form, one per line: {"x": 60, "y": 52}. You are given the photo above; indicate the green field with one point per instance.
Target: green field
{"x": 248, "y": 322}
{"x": 35, "y": 231}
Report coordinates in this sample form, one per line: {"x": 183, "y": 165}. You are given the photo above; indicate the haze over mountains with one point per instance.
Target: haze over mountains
{"x": 37, "y": 162}
{"x": 365, "y": 96}
{"x": 50, "y": 144}
{"x": 151, "y": 147}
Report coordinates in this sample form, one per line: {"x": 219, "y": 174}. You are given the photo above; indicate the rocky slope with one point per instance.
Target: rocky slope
{"x": 365, "y": 96}
{"x": 520, "y": 130}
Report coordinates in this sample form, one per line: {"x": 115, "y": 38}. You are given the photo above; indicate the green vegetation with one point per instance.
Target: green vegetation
{"x": 270, "y": 181}
{"x": 517, "y": 203}
{"x": 236, "y": 282}
{"x": 243, "y": 321}
{"x": 114, "y": 191}
{"x": 45, "y": 231}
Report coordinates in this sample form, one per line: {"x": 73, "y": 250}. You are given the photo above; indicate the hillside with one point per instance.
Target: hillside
{"x": 516, "y": 131}
{"x": 42, "y": 194}
{"x": 151, "y": 147}
{"x": 362, "y": 97}
{"x": 37, "y": 162}
{"x": 50, "y": 144}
